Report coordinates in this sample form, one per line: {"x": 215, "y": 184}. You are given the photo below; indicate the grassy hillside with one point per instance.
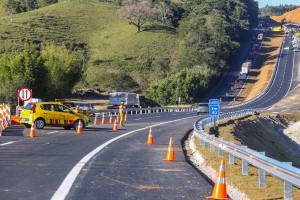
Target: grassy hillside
{"x": 111, "y": 44}
{"x": 2, "y": 12}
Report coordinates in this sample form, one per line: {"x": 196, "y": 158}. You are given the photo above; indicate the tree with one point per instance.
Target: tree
{"x": 12, "y": 7}
{"x": 64, "y": 69}
{"x": 137, "y": 13}
{"x": 165, "y": 11}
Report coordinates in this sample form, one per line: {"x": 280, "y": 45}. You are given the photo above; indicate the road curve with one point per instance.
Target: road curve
{"x": 35, "y": 168}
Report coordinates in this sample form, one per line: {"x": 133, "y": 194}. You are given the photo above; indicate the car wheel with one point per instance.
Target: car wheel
{"x": 39, "y": 123}
{"x": 67, "y": 127}
{"x": 75, "y": 126}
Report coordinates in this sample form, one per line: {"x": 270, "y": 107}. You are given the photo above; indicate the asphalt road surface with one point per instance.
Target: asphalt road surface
{"x": 100, "y": 163}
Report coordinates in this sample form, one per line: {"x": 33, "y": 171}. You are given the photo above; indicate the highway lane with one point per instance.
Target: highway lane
{"x": 282, "y": 82}
{"x": 34, "y": 168}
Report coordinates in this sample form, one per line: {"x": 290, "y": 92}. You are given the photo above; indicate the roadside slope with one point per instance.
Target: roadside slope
{"x": 293, "y": 16}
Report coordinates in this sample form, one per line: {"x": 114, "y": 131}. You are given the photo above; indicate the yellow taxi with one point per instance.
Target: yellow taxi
{"x": 51, "y": 114}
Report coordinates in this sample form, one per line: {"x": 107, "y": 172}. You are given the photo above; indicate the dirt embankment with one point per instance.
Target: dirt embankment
{"x": 275, "y": 134}
{"x": 293, "y": 16}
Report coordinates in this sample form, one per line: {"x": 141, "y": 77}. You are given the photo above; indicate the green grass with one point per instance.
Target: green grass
{"x": 249, "y": 184}
{"x": 2, "y": 11}
{"x": 112, "y": 45}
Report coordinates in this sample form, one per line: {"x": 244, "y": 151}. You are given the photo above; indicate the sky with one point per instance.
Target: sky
{"x": 263, "y": 3}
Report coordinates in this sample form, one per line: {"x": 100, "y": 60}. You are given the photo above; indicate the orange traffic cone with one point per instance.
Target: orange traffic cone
{"x": 150, "y": 137}
{"x": 79, "y": 128}
{"x": 110, "y": 119}
{"x": 170, "y": 154}
{"x": 115, "y": 128}
{"x": 118, "y": 119}
{"x": 96, "y": 120}
{"x": 103, "y": 120}
{"x": 219, "y": 191}
{"x": 126, "y": 117}
{"x": 32, "y": 131}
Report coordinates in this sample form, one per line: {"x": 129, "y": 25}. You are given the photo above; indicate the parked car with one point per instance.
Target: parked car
{"x": 51, "y": 114}
{"x": 202, "y": 108}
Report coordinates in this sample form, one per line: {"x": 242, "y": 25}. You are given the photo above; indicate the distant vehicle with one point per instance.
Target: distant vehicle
{"x": 131, "y": 100}
{"x": 230, "y": 94}
{"x": 202, "y": 108}
{"x": 51, "y": 114}
{"x": 243, "y": 77}
{"x": 237, "y": 86}
{"x": 245, "y": 67}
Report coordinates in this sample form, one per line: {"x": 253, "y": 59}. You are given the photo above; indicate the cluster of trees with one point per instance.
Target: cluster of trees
{"x": 139, "y": 12}
{"x": 50, "y": 71}
{"x": 210, "y": 32}
{"x": 276, "y": 10}
{"x": 18, "y": 6}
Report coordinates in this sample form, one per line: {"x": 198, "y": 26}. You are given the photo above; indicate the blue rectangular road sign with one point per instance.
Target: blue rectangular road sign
{"x": 214, "y": 107}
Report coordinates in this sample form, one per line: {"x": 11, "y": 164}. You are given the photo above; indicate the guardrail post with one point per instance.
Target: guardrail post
{"x": 212, "y": 148}
{"x": 231, "y": 159}
{"x": 244, "y": 167}
{"x": 261, "y": 175}
{"x": 131, "y": 112}
{"x": 202, "y": 142}
{"x": 288, "y": 188}
{"x": 206, "y": 144}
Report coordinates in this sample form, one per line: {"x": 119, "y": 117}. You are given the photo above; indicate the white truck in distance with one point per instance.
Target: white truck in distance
{"x": 245, "y": 67}
{"x": 130, "y": 100}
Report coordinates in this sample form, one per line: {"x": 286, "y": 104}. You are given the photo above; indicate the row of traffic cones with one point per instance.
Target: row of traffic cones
{"x": 78, "y": 130}
{"x": 170, "y": 153}
{"x": 219, "y": 191}
{"x": 103, "y": 121}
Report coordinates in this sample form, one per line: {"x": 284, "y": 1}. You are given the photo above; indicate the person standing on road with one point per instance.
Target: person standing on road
{"x": 121, "y": 113}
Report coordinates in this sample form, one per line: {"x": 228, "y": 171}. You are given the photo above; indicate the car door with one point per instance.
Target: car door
{"x": 55, "y": 115}
{"x": 69, "y": 116}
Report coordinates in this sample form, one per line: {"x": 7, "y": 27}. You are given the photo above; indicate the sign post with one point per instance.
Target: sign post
{"x": 214, "y": 110}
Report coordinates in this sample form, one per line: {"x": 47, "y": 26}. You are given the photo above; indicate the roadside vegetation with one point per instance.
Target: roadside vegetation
{"x": 182, "y": 48}
{"x": 276, "y": 10}
{"x": 262, "y": 133}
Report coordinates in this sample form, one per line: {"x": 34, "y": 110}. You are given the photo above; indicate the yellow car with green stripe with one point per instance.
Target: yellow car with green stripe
{"x": 51, "y": 114}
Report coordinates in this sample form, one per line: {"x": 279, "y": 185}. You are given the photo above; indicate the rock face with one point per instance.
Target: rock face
{"x": 293, "y": 132}
{"x": 273, "y": 134}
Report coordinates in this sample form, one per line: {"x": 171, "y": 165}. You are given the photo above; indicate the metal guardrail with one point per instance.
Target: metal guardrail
{"x": 145, "y": 110}
{"x": 282, "y": 170}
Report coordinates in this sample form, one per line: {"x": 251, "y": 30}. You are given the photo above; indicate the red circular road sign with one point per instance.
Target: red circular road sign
{"x": 24, "y": 94}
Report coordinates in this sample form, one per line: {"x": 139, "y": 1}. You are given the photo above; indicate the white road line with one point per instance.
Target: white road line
{"x": 291, "y": 81}
{"x": 157, "y": 116}
{"x": 66, "y": 185}
{"x": 51, "y": 132}
{"x": 7, "y": 143}
{"x": 137, "y": 119}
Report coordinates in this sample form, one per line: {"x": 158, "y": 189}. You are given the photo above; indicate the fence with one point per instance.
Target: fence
{"x": 282, "y": 170}
{"x": 145, "y": 110}
{"x": 4, "y": 116}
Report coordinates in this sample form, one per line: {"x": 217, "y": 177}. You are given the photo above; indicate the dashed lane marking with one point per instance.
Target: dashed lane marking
{"x": 7, "y": 143}
{"x": 51, "y": 132}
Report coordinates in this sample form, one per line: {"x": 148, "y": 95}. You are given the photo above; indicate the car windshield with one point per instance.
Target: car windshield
{"x": 203, "y": 104}
{"x": 29, "y": 106}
